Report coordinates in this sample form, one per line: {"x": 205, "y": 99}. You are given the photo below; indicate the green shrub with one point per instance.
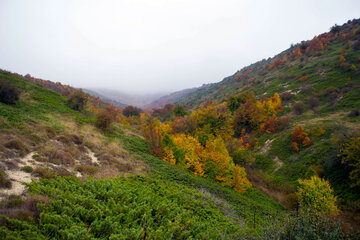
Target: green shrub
{"x": 4, "y": 182}
{"x": 243, "y": 157}
{"x": 86, "y": 169}
{"x": 19, "y": 145}
{"x": 8, "y": 93}
{"x": 27, "y": 169}
{"x": 132, "y": 208}
{"x": 103, "y": 120}
{"x": 131, "y": 111}
{"x": 298, "y": 108}
{"x": 317, "y": 131}
{"x": 78, "y": 100}
{"x": 264, "y": 163}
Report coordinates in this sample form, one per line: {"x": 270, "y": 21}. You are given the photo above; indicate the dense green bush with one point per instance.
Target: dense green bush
{"x": 131, "y": 111}
{"x": 103, "y": 120}
{"x": 298, "y": 108}
{"x": 8, "y": 93}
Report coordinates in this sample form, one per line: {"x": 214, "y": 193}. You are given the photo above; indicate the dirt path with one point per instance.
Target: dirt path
{"x": 278, "y": 163}
{"x": 266, "y": 146}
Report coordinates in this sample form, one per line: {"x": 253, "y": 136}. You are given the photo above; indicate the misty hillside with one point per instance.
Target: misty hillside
{"x": 271, "y": 152}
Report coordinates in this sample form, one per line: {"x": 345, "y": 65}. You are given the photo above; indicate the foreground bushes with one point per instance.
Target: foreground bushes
{"x": 134, "y": 208}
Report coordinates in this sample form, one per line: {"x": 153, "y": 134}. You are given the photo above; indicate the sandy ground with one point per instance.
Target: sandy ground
{"x": 18, "y": 176}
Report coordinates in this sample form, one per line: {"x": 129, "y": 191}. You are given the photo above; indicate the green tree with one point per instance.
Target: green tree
{"x": 78, "y": 100}
{"x": 179, "y": 111}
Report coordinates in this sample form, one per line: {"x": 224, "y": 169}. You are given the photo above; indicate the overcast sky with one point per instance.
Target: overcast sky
{"x": 143, "y": 46}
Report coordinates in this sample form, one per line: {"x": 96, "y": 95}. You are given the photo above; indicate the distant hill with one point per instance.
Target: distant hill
{"x": 138, "y": 100}
{"x": 95, "y": 100}
{"x": 171, "y": 98}
{"x": 114, "y": 102}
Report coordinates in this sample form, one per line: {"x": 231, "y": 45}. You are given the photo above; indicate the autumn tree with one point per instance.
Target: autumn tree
{"x": 152, "y": 134}
{"x": 295, "y": 147}
{"x": 270, "y": 106}
{"x": 240, "y": 181}
{"x": 317, "y": 131}
{"x": 193, "y": 153}
{"x": 234, "y": 102}
{"x": 218, "y": 161}
{"x": 350, "y": 155}
{"x": 316, "y": 196}
{"x": 299, "y": 136}
{"x": 248, "y": 116}
{"x": 185, "y": 125}
{"x": 214, "y": 120}
{"x": 270, "y": 125}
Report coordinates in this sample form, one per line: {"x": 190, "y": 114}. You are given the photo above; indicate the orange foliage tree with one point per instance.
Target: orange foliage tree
{"x": 152, "y": 134}
{"x": 300, "y": 136}
{"x": 270, "y": 125}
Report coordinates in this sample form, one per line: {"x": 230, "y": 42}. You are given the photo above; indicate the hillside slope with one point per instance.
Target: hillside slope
{"x": 131, "y": 193}
{"x": 322, "y": 78}
{"x": 310, "y": 90}
{"x": 318, "y": 60}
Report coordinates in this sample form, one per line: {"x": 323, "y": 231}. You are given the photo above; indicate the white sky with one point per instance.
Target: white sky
{"x": 144, "y": 46}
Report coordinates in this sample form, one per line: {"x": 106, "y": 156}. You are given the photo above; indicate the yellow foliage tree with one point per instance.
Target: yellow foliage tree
{"x": 270, "y": 106}
{"x": 215, "y": 120}
{"x": 169, "y": 156}
{"x": 193, "y": 153}
{"x": 240, "y": 182}
{"x": 316, "y": 196}
{"x": 218, "y": 160}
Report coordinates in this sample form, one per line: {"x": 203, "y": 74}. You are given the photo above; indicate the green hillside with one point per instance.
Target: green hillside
{"x": 125, "y": 194}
